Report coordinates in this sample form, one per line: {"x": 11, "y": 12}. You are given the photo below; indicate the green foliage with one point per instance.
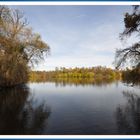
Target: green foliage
{"x": 76, "y": 75}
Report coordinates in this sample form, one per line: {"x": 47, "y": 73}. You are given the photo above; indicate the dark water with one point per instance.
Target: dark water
{"x": 53, "y": 108}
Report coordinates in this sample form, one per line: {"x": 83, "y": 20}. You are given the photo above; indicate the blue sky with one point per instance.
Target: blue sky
{"x": 79, "y": 36}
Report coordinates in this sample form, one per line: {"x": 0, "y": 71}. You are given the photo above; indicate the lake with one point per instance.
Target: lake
{"x": 70, "y": 109}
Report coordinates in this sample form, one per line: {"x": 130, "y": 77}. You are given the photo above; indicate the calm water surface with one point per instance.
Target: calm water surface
{"x": 50, "y": 108}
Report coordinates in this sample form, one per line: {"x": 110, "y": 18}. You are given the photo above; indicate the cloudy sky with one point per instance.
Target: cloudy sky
{"x": 79, "y": 36}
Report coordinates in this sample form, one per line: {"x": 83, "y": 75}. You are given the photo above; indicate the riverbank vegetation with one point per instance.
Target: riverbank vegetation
{"x": 20, "y": 47}
{"x": 130, "y": 55}
{"x": 131, "y": 76}
{"x": 76, "y": 75}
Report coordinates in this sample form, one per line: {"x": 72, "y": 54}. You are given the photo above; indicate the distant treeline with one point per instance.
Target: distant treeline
{"x": 96, "y": 73}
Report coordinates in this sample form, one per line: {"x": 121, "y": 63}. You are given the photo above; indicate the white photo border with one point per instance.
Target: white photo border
{"x": 69, "y": 137}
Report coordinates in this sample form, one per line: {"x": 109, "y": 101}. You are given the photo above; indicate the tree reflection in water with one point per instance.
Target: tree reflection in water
{"x": 18, "y": 115}
{"x": 128, "y": 116}
{"x": 81, "y": 81}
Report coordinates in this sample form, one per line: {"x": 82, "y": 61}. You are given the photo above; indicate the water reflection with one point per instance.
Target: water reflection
{"x": 19, "y": 115}
{"x": 80, "y": 81}
{"x": 75, "y": 109}
{"x": 128, "y": 115}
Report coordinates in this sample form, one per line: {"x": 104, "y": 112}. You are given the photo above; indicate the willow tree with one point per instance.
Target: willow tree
{"x": 19, "y": 47}
{"x": 131, "y": 54}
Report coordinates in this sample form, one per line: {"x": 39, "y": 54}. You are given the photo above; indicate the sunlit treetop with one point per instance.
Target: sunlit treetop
{"x": 17, "y": 37}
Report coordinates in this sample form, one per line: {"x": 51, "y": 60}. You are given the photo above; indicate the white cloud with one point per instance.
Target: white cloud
{"x": 98, "y": 48}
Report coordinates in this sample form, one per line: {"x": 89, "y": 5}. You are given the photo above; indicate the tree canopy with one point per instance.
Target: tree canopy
{"x": 19, "y": 47}
{"x": 131, "y": 54}
{"x": 78, "y": 76}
